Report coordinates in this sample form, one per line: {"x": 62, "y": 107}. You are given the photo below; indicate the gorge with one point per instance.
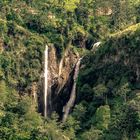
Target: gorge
{"x": 55, "y": 73}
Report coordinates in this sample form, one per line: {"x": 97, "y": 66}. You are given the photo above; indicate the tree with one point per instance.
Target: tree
{"x": 92, "y": 134}
{"x": 123, "y": 91}
{"x": 3, "y": 95}
{"x": 102, "y": 117}
{"x": 101, "y": 91}
{"x": 121, "y": 13}
{"x": 70, "y": 5}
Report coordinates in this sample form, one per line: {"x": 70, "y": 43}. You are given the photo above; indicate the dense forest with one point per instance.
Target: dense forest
{"x": 93, "y": 90}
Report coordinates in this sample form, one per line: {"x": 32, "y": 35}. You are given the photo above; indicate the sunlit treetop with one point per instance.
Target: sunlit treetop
{"x": 70, "y": 5}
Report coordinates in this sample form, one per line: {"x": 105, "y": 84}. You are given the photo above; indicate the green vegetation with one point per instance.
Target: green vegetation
{"x": 108, "y": 90}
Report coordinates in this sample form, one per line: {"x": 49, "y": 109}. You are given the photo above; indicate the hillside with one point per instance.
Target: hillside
{"x": 110, "y": 88}
{"x": 69, "y": 70}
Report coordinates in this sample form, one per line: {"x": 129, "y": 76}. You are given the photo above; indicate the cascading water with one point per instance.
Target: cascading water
{"x": 71, "y": 101}
{"x": 95, "y": 46}
{"x": 46, "y": 81}
{"x": 60, "y": 67}
{"x": 49, "y": 73}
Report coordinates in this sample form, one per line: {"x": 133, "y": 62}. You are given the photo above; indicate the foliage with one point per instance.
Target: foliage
{"x": 107, "y": 103}
{"x": 92, "y": 134}
{"x": 107, "y": 88}
{"x": 103, "y": 117}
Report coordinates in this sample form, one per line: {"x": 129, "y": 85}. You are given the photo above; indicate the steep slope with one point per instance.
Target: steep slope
{"x": 107, "y": 98}
{"x": 108, "y": 89}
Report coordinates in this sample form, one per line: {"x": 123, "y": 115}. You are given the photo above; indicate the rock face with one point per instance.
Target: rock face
{"x": 66, "y": 66}
{"x": 60, "y": 72}
{"x": 53, "y": 66}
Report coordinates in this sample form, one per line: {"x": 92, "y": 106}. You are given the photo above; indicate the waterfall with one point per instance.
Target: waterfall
{"x": 60, "y": 67}
{"x": 69, "y": 105}
{"x": 45, "y": 81}
{"x": 95, "y": 46}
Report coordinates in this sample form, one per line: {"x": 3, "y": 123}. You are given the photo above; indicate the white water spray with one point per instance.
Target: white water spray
{"x": 95, "y": 46}
{"x": 46, "y": 81}
{"x": 71, "y": 101}
{"x": 60, "y": 67}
